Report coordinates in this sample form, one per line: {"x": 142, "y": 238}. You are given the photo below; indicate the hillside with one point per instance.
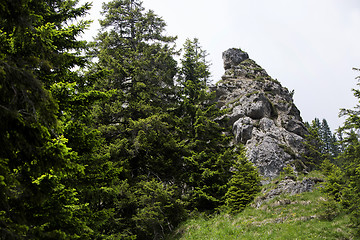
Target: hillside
{"x": 307, "y": 215}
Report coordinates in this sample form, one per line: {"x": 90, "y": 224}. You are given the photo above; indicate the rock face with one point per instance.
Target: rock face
{"x": 262, "y": 114}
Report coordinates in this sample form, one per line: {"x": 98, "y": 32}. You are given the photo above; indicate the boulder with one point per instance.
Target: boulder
{"x": 233, "y": 57}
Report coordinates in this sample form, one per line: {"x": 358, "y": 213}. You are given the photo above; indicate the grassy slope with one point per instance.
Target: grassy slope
{"x": 303, "y": 216}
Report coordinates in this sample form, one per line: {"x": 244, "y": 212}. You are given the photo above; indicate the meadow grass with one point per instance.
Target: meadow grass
{"x": 301, "y": 216}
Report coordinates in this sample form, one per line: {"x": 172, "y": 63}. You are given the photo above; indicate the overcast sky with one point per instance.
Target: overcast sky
{"x": 310, "y": 46}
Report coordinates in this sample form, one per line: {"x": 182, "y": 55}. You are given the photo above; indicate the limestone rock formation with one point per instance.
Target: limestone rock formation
{"x": 262, "y": 114}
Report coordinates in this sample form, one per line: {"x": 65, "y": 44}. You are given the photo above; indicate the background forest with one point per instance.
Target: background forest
{"x": 115, "y": 139}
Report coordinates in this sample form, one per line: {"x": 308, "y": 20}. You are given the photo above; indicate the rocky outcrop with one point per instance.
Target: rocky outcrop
{"x": 288, "y": 186}
{"x": 262, "y": 114}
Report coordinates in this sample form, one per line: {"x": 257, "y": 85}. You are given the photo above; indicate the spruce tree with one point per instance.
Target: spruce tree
{"x": 243, "y": 186}
{"x": 314, "y": 144}
{"x": 133, "y": 46}
{"x": 329, "y": 140}
{"x": 350, "y": 158}
{"x": 37, "y": 53}
{"x": 321, "y": 143}
{"x": 139, "y": 148}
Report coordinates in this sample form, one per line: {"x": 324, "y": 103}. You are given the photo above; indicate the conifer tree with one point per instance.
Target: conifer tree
{"x": 314, "y": 144}
{"x": 139, "y": 147}
{"x": 351, "y": 160}
{"x": 329, "y": 140}
{"x": 321, "y": 143}
{"x": 37, "y": 52}
{"x": 132, "y": 45}
{"x": 243, "y": 186}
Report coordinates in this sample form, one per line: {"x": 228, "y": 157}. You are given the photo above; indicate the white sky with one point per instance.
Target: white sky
{"x": 310, "y": 46}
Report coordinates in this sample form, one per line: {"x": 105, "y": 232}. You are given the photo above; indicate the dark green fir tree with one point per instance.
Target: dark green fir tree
{"x": 321, "y": 143}
{"x": 38, "y": 50}
{"x": 350, "y": 161}
{"x": 330, "y": 141}
{"x": 315, "y": 145}
{"x": 243, "y": 186}
{"x": 140, "y": 151}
